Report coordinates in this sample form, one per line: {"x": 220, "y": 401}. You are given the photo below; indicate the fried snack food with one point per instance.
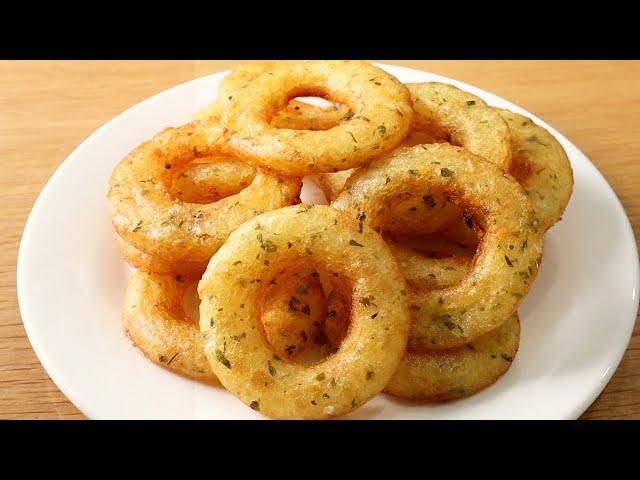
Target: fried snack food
{"x": 442, "y": 375}
{"x": 508, "y": 255}
{"x": 146, "y": 216}
{"x": 382, "y": 117}
{"x": 462, "y": 119}
{"x": 317, "y": 237}
{"x": 155, "y": 319}
{"x": 293, "y": 313}
{"x": 541, "y": 166}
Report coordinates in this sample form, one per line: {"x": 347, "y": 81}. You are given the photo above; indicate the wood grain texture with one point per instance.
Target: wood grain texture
{"x": 47, "y": 108}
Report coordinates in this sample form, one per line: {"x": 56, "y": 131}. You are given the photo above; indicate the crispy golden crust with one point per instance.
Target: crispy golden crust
{"x": 541, "y": 166}
{"x": 381, "y": 104}
{"x": 317, "y": 237}
{"x": 466, "y": 120}
{"x": 146, "y": 216}
{"x": 293, "y": 313}
{"x": 299, "y": 115}
{"x": 158, "y": 264}
{"x": 155, "y": 320}
{"x": 209, "y": 179}
{"x": 508, "y": 256}
{"x": 441, "y": 375}
{"x": 424, "y": 273}
{"x": 333, "y": 183}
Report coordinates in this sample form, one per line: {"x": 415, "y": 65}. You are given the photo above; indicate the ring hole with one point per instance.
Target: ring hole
{"x": 191, "y": 302}
{"x": 311, "y": 113}
{"x": 299, "y": 316}
{"x": 209, "y": 179}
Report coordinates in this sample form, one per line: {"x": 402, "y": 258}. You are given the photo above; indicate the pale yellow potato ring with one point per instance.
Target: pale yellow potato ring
{"x": 508, "y": 255}
{"x": 442, "y": 375}
{"x": 317, "y": 237}
{"x": 541, "y": 166}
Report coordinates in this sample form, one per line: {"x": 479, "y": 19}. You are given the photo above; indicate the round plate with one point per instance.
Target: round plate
{"x": 576, "y": 322}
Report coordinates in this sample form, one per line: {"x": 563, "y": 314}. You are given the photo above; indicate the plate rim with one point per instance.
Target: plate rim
{"x": 39, "y": 348}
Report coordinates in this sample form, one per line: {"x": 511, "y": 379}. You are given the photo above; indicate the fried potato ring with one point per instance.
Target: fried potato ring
{"x": 293, "y": 313}
{"x": 146, "y": 217}
{"x": 465, "y": 119}
{"x": 155, "y": 319}
{"x": 314, "y": 237}
{"x": 541, "y": 166}
{"x": 442, "y": 375}
{"x": 381, "y": 104}
{"x": 508, "y": 255}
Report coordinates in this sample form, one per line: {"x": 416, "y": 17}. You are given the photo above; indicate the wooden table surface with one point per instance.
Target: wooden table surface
{"x": 47, "y": 108}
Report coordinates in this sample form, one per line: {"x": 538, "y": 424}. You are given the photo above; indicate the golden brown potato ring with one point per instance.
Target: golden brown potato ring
{"x": 146, "y": 216}
{"x": 317, "y": 237}
{"x": 155, "y": 319}
{"x": 382, "y": 117}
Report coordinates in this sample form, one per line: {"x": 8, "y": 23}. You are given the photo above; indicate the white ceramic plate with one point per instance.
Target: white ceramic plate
{"x": 576, "y": 322}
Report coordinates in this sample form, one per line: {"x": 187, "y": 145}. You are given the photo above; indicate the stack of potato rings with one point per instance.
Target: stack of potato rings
{"x": 408, "y": 282}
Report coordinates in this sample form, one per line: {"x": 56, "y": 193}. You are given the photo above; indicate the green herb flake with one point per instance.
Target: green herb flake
{"x": 370, "y": 375}
{"x": 272, "y": 369}
{"x": 255, "y": 405}
{"x": 508, "y": 260}
{"x": 445, "y": 172}
{"x": 471, "y": 103}
{"x": 506, "y": 357}
{"x": 222, "y": 359}
{"x": 354, "y": 243}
